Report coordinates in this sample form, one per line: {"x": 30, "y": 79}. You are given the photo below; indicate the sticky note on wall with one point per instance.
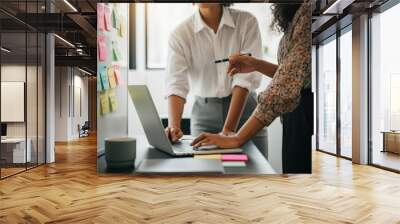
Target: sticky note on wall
{"x": 104, "y": 103}
{"x": 116, "y": 18}
{"x": 111, "y": 77}
{"x": 99, "y": 86}
{"x": 121, "y": 30}
{"x": 113, "y": 100}
{"x": 100, "y": 16}
{"x": 116, "y": 52}
{"x": 104, "y": 78}
{"x": 107, "y": 18}
{"x": 117, "y": 74}
{"x": 102, "y": 49}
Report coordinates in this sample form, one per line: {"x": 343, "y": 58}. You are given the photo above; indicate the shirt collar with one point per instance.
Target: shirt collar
{"x": 226, "y": 19}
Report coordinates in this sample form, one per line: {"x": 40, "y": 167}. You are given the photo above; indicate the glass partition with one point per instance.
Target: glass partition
{"x": 346, "y": 93}
{"x": 385, "y": 89}
{"x": 14, "y": 152}
{"x": 327, "y": 96}
{"x": 22, "y": 77}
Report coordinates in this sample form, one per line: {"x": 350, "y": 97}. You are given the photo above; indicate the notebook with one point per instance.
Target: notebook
{"x": 180, "y": 166}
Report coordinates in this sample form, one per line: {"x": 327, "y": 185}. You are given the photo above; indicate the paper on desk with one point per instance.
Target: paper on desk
{"x": 101, "y": 44}
{"x": 111, "y": 77}
{"x": 234, "y": 164}
{"x": 107, "y": 18}
{"x": 211, "y": 156}
{"x": 104, "y": 103}
{"x": 234, "y": 157}
{"x": 113, "y": 100}
{"x": 100, "y": 16}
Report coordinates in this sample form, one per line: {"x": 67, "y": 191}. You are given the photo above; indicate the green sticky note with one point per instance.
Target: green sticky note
{"x": 116, "y": 18}
{"x": 104, "y": 103}
{"x": 113, "y": 101}
{"x": 116, "y": 52}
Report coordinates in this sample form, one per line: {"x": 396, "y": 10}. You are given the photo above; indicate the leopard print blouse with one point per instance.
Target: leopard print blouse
{"x": 283, "y": 93}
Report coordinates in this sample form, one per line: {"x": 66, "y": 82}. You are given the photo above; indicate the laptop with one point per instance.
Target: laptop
{"x": 154, "y": 130}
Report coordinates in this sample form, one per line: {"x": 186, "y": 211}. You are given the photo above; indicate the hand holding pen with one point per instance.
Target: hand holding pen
{"x": 241, "y": 63}
{"x": 227, "y": 59}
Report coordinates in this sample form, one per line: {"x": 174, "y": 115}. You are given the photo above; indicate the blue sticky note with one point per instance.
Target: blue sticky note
{"x": 104, "y": 78}
{"x": 99, "y": 86}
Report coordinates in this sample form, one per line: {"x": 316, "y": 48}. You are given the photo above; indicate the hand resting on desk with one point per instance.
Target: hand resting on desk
{"x": 222, "y": 141}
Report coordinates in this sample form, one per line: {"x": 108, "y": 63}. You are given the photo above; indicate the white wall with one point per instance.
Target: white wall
{"x": 115, "y": 123}
{"x": 67, "y": 79}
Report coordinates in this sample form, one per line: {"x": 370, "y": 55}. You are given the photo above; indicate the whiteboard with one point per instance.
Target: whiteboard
{"x": 12, "y": 101}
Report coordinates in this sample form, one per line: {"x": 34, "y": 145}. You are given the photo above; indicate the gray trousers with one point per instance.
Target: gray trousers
{"x": 209, "y": 114}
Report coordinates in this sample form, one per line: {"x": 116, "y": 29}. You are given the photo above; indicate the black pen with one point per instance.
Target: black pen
{"x": 227, "y": 59}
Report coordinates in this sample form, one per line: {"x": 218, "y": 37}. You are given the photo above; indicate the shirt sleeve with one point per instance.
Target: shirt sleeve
{"x": 251, "y": 44}
{"x": 283, "y": 93}
{"x": 176, "y": 82}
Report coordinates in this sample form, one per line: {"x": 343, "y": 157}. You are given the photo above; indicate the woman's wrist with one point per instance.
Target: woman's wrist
{"x": 240, "y": 140}
{"x": 257, "y": 64}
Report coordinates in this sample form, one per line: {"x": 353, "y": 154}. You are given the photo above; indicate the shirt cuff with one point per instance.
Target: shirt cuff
{"x": 241, "y": 82}
{"x": 265, "y": 117}
{"x": 176, "y": 92}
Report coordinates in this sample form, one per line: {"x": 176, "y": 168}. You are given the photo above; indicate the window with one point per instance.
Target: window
{"x": 327, "y": 96}
{"x": 158, "y": 30}
{"x": 346, "y": 93}
{"x": 385, "y": 87}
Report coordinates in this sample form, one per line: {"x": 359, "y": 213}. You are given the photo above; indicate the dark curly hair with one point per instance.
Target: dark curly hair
{"x": 227, "y": 4}
{"x": 283, "y": 15}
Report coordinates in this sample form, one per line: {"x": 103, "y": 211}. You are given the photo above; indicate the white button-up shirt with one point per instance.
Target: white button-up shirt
{"x": 194, "y": 48}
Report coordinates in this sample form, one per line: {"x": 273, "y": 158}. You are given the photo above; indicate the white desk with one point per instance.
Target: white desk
{"x": 18, "y": 149}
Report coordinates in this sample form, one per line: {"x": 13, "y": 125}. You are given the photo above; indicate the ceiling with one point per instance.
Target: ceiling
{"x": 73, "y": 21}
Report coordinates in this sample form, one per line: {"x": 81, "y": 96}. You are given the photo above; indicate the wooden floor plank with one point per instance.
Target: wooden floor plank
{"x": 70, "y": 191}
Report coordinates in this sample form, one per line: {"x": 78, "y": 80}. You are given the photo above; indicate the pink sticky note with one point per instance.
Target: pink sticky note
{"x": 107, "y": 18}
{"x": 101, "y": 47}
{"x": 234, "y": 157}
{"x": 118, "y": 75}
{"x": 100, "y": 16}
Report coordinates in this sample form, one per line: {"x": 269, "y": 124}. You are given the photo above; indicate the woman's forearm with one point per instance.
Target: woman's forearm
{"x": 249, "y": 129}
{"x": 265, "y": 67}
{"x": 238, "y": 102}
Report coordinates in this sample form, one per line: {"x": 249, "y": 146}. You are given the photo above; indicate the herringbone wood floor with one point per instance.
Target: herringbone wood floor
{"x": 70, "y": 191}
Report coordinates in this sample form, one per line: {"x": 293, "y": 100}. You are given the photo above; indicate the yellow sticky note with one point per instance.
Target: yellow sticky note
{"x": 213, "y": 156}
{"x": 111, "y": 77}
{"x": 121, "y": 27}
{"x": 113, "y": 100}
{"x": 104, "y": 103}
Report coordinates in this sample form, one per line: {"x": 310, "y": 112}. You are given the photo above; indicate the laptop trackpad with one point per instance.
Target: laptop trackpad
{"x": 180, "y": 166}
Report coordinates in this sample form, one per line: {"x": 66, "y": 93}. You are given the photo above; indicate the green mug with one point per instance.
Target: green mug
{"x": 120, "y": 152}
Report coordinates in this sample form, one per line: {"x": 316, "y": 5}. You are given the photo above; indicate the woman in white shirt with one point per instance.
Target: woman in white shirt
{"x": 212, "y": 33}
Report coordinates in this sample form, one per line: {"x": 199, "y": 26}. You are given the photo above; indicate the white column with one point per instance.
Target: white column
{"x": 50, "y": 99}
{"x": 360, "y": 90}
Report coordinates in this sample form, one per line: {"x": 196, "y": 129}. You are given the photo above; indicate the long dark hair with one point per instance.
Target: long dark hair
{"x": 283, "y": 15}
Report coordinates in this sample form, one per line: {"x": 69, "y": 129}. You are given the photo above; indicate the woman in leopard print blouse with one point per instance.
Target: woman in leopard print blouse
{"x": 288, "y": 95}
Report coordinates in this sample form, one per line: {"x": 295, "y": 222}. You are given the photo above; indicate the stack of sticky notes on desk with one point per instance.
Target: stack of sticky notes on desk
{"x": 228, "y": 160}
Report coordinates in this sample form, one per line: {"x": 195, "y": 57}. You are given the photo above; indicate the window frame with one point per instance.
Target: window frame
{"x": 333, "y": 37}
{"x": 380, "y": 9}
